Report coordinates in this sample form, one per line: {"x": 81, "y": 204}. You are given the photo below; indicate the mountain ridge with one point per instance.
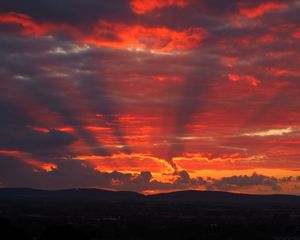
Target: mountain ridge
{"x": 94, "y": 195}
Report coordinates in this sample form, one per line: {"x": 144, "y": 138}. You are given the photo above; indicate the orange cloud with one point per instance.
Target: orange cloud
{"x": 260, "y": 10}
{"x": 198, "y": 162}
{"x": 123, "y": 162}
{"x": 24, "y": 157}
{"x": 145, "y": 6}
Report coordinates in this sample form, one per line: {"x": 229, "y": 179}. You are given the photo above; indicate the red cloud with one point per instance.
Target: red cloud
{"x": 145, "y": 6}
{"x": 296, "y": 33}
{"x": 252, "y": 80}
{"x": 32, "y": 28}
{"x": 26, "y": 158}
{"x": 261, "y": 9}
{"x": 116, "y": 35}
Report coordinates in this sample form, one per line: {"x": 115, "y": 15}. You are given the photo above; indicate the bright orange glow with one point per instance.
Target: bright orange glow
{"x": 124, "y": 162}
{"x": 145, "y": 6}
{"x": 48, "y": 167}
{"x": 194, "y": 162}
{"x": 66, "y": 129}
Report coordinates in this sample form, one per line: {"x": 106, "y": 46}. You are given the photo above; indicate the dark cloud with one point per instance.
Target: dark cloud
{"x": 30, "y": 141}
{"x": 70, "y": 174}
{"x": 17, "y": 135}
{"x": 13, "y": 172}
{"x": 243, "y": 182}
{"x": 61, "y": 97}
{"x": 71, "y": 11}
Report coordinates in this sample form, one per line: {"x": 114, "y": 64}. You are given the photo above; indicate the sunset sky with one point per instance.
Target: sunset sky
{"x": 150, "y": 95}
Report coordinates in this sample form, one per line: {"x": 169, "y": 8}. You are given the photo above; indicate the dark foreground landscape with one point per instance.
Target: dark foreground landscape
{"x": 98, "y": 214}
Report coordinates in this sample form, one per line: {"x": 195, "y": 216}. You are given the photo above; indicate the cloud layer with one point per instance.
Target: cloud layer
{"x": 150, "y": 95}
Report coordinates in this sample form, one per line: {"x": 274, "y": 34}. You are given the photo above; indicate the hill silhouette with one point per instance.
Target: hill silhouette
{"x": 94, "y": 195}
{"x": 186, "y": 215}
{"x": 68, "y": 195}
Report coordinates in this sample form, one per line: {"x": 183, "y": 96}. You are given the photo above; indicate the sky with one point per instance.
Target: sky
{"x": 150, "y": 96}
